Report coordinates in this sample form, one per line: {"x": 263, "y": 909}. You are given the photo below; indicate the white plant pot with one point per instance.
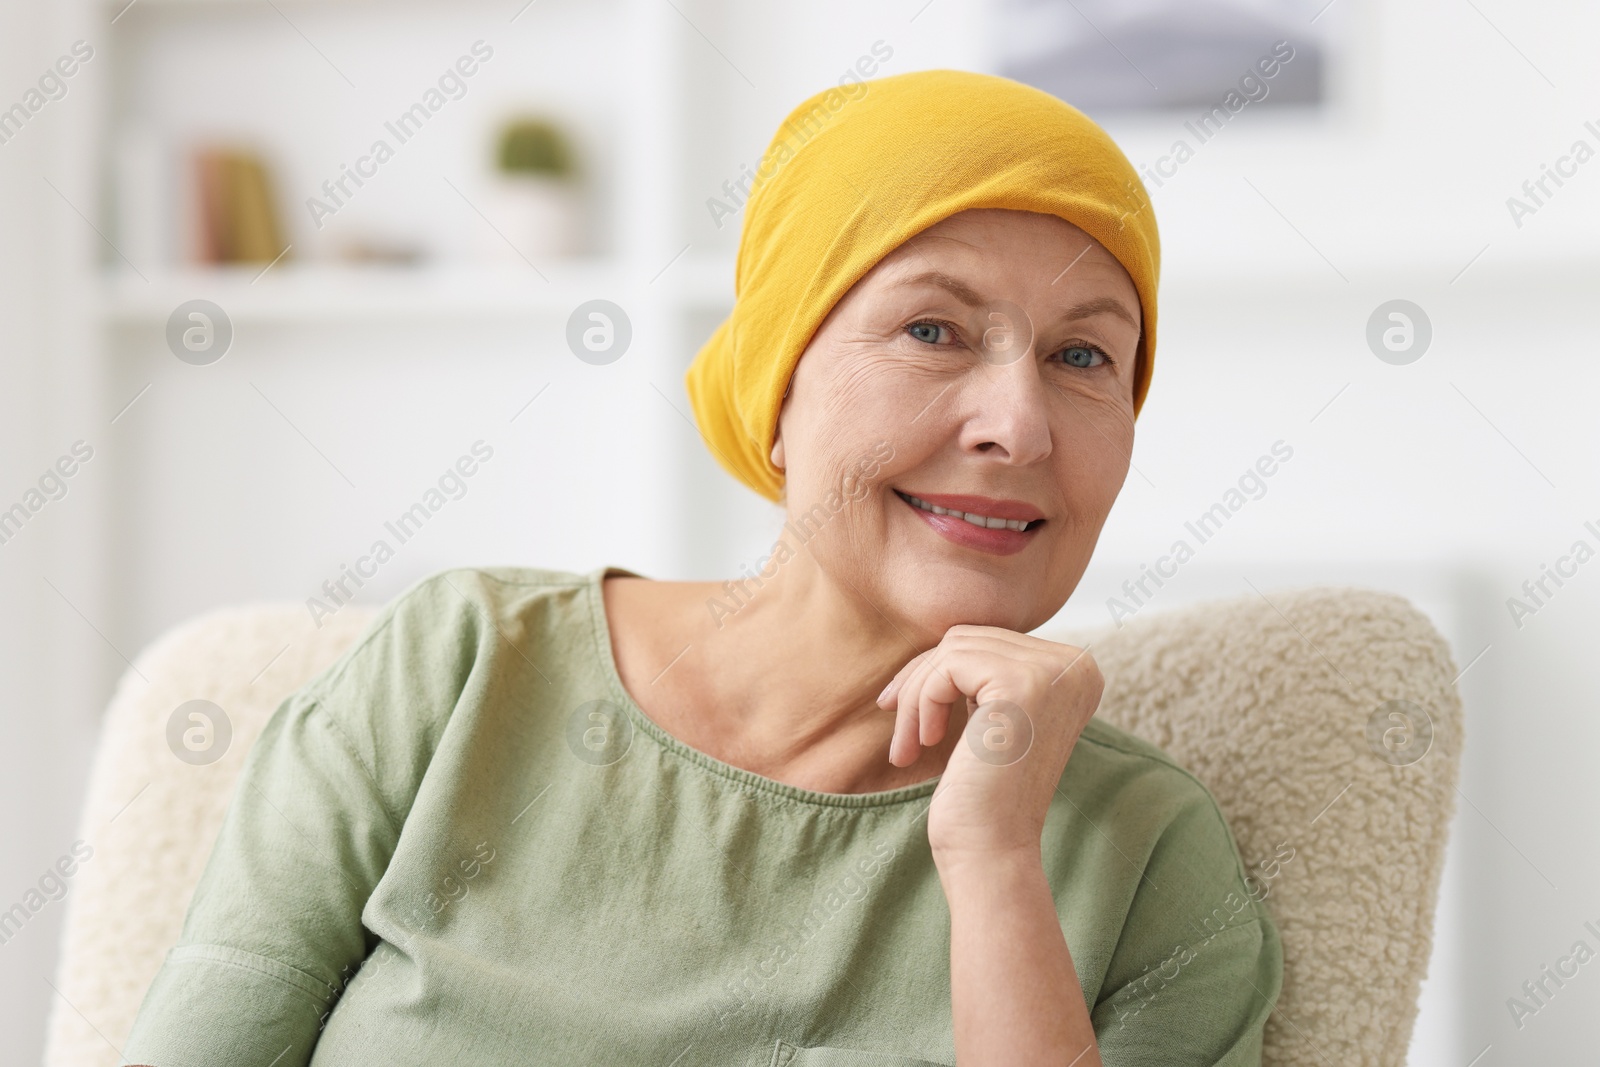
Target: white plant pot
{"x": 539, "y": 216}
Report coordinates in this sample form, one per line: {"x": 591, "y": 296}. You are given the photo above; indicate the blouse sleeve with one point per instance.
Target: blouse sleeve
{"x": 1199, "y": 966}
{"x": 274, "y": 926}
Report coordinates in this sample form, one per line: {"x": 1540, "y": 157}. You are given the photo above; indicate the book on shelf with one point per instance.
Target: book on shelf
{"x": 238, "y": 221}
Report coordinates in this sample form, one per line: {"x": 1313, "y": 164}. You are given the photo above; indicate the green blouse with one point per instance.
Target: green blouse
{"x": 463, "y": 843}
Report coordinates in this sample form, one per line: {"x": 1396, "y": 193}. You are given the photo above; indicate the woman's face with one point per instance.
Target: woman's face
{"x": 989, "y": 358}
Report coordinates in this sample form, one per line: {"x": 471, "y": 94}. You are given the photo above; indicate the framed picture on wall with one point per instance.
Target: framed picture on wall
{"x": 1110, "y": 57}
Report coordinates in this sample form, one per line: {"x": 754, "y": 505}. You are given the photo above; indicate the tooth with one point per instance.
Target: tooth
{"x": 984, "y": 521}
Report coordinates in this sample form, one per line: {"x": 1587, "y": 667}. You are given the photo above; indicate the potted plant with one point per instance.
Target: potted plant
{"x": 536, "y": 190}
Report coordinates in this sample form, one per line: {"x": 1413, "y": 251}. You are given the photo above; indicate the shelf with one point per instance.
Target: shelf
{"x": 323, "y": 293}
{"x": 116, "y": 7}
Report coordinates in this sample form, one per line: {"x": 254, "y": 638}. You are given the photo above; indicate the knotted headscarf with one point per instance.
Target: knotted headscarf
{"x": 856, "y": 171}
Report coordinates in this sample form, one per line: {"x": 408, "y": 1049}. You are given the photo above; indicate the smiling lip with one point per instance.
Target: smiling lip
{"x": 999, "y": 541}
{"x": 1020, "y": 510}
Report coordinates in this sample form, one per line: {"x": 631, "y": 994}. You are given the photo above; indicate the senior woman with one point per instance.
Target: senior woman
{"x": 840, "y": 812}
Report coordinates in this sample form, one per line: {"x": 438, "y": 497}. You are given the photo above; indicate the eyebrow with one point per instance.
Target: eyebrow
{"x": 1103, "y": 305}
{"x": 954, "y": 286}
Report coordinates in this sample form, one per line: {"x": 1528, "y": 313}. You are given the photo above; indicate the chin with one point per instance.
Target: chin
{"x": 938, "y": 596}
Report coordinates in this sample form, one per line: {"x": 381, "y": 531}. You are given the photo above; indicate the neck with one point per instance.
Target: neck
{"x": 790, "y": 666}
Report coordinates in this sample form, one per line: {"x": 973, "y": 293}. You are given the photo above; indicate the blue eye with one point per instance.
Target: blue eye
{"x": 925, "y": 331}
{"x": 1082, "y": 356}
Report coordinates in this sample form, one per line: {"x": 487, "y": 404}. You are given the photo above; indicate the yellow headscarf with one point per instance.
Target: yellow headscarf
{"x": 853, "y": 173}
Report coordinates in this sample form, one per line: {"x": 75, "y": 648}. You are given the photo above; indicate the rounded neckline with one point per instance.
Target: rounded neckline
{"x": 601, "y": 628}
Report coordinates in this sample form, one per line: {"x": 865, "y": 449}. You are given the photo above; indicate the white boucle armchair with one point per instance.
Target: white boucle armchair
{"x": 1325, "y": 721}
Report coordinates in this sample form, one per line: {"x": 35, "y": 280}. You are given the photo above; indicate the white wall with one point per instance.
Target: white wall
{"x": 56, "y": 667}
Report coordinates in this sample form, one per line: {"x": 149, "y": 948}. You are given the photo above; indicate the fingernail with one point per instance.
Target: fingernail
{"x": 885, "y": 692}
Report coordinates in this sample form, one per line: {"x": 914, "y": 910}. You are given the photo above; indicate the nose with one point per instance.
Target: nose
{"x": 1007, "y": 417}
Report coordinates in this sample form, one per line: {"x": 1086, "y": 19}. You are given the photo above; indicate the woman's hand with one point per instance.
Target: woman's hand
{"x": 1013, "y": 986}
{"x": 1030, "y": 699}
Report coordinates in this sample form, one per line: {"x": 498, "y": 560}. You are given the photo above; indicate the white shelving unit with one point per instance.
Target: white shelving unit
{"x": 312, "y": 86}
{"x": 334, "y": 292}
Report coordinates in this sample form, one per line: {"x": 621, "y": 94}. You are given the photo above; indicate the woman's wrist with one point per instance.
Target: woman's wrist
{"x": 961, "y": 871}
{"x": 1011, "y": 972}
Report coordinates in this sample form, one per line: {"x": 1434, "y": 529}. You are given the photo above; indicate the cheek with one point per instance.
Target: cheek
{"x": 858, "y": 418}
{"x": 841, "y": 470}
{"x": 866, "y": 393}
{"x": 1100, "y": 407}
{"x": 1093, "y": 451}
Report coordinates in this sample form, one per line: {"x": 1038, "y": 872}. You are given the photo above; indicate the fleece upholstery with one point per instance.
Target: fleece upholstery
{"x": 1270, "y": 702}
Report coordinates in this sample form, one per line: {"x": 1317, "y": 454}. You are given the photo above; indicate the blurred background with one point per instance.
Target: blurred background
{"x": 269, "y": 267}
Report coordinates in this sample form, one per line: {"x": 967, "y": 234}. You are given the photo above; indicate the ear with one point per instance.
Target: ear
{"x": 777, "y": 428}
